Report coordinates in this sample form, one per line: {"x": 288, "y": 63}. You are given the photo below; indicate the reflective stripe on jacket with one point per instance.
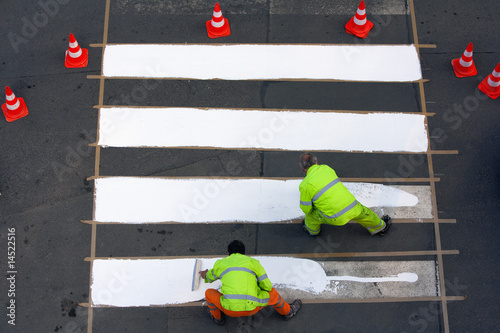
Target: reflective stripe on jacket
{"x": 322, "y": 189}
{"x": 245, "y": 284}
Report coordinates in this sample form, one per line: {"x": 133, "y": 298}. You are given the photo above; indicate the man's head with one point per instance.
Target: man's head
{"x": 236, "y": 246}
{"x": 306, "y": 161}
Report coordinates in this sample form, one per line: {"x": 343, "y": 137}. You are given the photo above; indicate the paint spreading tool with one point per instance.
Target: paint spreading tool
{"x": 196, "y": 275}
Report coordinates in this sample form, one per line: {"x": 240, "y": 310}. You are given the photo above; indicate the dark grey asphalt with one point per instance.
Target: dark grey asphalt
{"x": 45, "y": 160}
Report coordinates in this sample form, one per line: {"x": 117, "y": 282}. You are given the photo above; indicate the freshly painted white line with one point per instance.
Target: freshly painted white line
{"x": 401, "y": 277}
{"x": 392, "y": 63}
{"x": 422, "y": 210}
{"x": 359, "y": 281}
{"x": 201, "y": 200}
{"x": 236, "y": 128}
{"x": 148, "y": 282}
{"x": 157, "y": 282}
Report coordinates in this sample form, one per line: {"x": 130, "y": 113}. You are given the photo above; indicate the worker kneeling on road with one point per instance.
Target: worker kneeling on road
{"x": 325, "y": 200}
{"x": 246, "y": 289}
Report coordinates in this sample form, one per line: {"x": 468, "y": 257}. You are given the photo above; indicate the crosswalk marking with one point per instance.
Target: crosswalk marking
{"x": 201, "y": 200}
{"x": 380, "y": 63}
{"x": 149, "y": 282}
{"x": 257, "y": 129}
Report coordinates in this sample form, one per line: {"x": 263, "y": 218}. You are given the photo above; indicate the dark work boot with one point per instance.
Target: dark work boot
{"x": 388, "y": 222}
{"x": 294, "y": 308}
{"x": 220, "y": 321}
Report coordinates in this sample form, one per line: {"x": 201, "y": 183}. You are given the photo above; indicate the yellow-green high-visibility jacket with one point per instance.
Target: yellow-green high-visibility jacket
{"x": 245, "y": 284}
{"x": 322, "y": 189}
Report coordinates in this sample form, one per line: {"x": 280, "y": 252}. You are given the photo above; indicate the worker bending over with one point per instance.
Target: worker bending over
{"x": 325, "y": 200}
{"x": 245, "y": 290}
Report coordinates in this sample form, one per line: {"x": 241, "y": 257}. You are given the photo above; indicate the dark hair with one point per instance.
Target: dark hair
{"x": 307, "y": 160}
{"x": 236, "y": 246}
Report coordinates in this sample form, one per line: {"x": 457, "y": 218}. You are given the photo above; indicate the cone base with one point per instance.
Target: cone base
{"x": 487, "y": 89}
{"x": 22, "y": 111}
{"x": 218, "y": 32}
{"x": 356, "y": 30}
{"x": 457, "y": 68}
{"x": 79, "y": 62}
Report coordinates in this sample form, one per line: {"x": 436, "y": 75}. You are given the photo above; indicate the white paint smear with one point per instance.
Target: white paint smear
{"x": 401, "y": 277}
{"x": 394, "y": 63}
{"x": 197, "y": 200}
{"x": 230, "y": 128}
{"x": 146, "y": 282}
{"x": 158, "y": 282}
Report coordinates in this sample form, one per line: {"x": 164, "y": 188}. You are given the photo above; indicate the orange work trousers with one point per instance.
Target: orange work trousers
{"x": 213, "y": 301}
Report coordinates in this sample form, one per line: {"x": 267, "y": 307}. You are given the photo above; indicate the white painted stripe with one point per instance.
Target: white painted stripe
{"x": 358, "y": 274}
{"x": 422, "y": 210}
{"x": 495, "y": 73}
{"x": 202, "y": 200}
{"x": 10, "y": 97}
{"x": 233, "y": 128}
{"x": 143, "y": 282}
{"x": 394, "y": 63}
{"x": 217, "y": 14}
{"x": 73, "y": 45}
{"x": 157, "y": 282}
{"x": 401, "y": 277}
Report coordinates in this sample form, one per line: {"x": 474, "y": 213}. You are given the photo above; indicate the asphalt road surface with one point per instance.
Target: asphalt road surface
{"x": 47, "y": 160}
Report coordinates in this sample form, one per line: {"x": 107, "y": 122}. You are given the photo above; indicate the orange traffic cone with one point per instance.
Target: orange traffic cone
{"x": 358, "y": 25}
{"x": 218, "y": 26}
{"x": 75, "y": 56}
{"x": 464, "y": 66}
{"x": 491, "y": 85}
{"x": 14, "y": 108}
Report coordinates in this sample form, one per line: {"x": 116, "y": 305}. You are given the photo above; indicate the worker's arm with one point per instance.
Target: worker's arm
{"x": 306, "y": 203}
{"x": 208, "y": 275}
{"x": 262, "y": 279}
